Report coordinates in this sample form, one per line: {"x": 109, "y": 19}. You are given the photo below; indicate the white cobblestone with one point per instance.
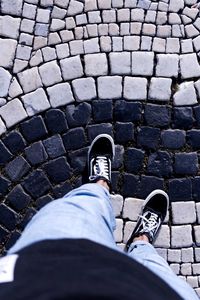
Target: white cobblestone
{"x": 196, "y": 43}
{"x": 124, "y": 29}
{"x": 49, "y": 54}
{"x": 19, "y": 65}
{"x": 23, "y": 52}
{"x": 96, "y": 64}
{"x": 81, "y": 19}
{"x": 167, "y": 65}
{"x": 132, "y": 208}
{"x": 142, "y": 63}
{"x": 176, "y": 31}
{"x": 118, "y": 231}
{"x": 7, "y": 52}
{"x": 164, "y": 31}
{"x": 161, "y": 18}
{"x": 39, "y": 42}
{"x": 135, "y": 28}
{"x": 162, "y": 252}
{"x": 109, "y": 16}
{"x": 94, "y": 17}
{"x": 92, "y": 30}
{"x": 174, "y": 19}
{"x": 197, "y": 234}
{"x": 163, "y": 238}
{"x": 186, "y": 269}
{"x": 74, "y": 8}
{"x": 123, "y": 15}
{"x": 62, "y": 3}
{"x": 90, "y": 5}
{"x": 191, "y": 12}
{"x": 14, "y": 89}
{"x": 173, "y": 45}
{"x": 174, "y": 255}
{"x": 62, "y": 50}
{"x": 191, "y": 31}
{"x": 109, "y": 87}
{"x": 135, "y": 88}
{"x": 9, "y": 26}
{"x": 186, "y": 46}
{"x": 146, "y": 43}
{"x": 60, "y": 94}
{"x": 35, "y": 102}
{"x": 198, "y": 205}
{"x": 54, "y": 38}
{"x": 117, "y": 3}
{"x": 10, "y": 118}
{"x": 120, "y": 63}
{"x": 91, "y": 46}
{"x": 30, "y": 80}
{"x": 149, "y": 29}
{"x": 12, "y": 7}
{"x": 50, "y": 73}
{"x": 36, "y": 58}
{"x": 176, "y": 5}
{"x": 29, "y": 11}
{"x": 76, "y": 47}
{"x": 5, "y": 78}
{"x": 181, "y": 236}
{"x": 175, "y": 268}
{"x": 160, "y": 89}
{"x": 187, "y": 255}
{"x": 196, "y": 269}
{"x": 131, "y": 43}
{"x": 117, "y": 204}
{"x": 102, "y": 29}
{"x": 137, "y": 15}
{"x": 197, "y": 254}
{"x": 159, "y": 45}
{"x": 57, "y": 24}
{"x": 189, "y": 66}
{"x": 193, "y": 281}
{"x": 27, "y": 26}
{"x": 26, "y": 39}
{"x": 66, "y": 35}
{"x": 105, "y": 43}
{"x": 186, "y": 94}
{"x": 84, "y": 89}
{"x": 128, "y": 229}
{"x": 71, "y": 68}
{"x": 43, "y": 15}
{"x": 113, "y": 29}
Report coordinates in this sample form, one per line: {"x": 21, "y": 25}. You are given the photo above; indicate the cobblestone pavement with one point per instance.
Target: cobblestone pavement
{"x": 70, "y": 70}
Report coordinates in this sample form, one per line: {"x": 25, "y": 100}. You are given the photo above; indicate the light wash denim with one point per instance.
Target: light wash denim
{"x": 86, "y": 212}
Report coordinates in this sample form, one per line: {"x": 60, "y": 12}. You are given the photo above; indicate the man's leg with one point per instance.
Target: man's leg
{"x": 140, "y": 243}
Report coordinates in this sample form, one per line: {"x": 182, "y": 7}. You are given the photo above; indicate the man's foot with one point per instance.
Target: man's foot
{"x": 100, "y": 156}
{"x": 153, "y": 213}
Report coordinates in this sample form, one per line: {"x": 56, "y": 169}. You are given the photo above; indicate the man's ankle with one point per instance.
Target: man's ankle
{"x": 142, "y": 237}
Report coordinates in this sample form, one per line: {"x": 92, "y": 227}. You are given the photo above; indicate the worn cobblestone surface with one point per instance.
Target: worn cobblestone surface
{"x": 71, "y": 69}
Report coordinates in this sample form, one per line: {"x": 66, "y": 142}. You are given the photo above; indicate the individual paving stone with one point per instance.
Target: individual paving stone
{"x": 43, "y": 15}
{"x": 96, "y": 64}
{"x": 187, "y": 255}
{"x": 135, "y": 88}
{"x": 192, "y": 281}
{"x": 9, "y": 27}
{"x": 173, "y": 45}
{"x": 14, "y": 89}
{"x": 12, "y": 8}
{"x": 173, "y": 139}
{"x": 142, "y": 63}
{"x": 157, "y": 115}
{"x": 127, "y": 111}
{"x": 189, "y": 66}
{"x": 124, "y": 29}
{"x": 30, "y": 80}
{"x": 19, "y": 65}
{"x": 180, "y": 189}
{"x": 66, "y": 35}
{"x": 130, "y": 185}
{"x": 61, "y": 190}
{"x": 27, "y": 26}
{"x": 7, "y": 46}
{"x": 197, "y": 234}
{"x": 128, "y": 229}
{"x": 148, "y": 137}
{"x": 14, "y": 142}
{"x": 94, "y": 17}
{"x": 124, "y": 132}
{"x": 5, "y": 154}
{"x": 164, "y": 31}
{"x": 117, "y": 204}
{"x": 132, "y": 208}
{"x": 36, "y": 58}
{"x": 54, "y": 146}
{"x": 60, "y": 94}
{"x": 175, "y": 268}
{"x": 186, "y": 94}
{"x": 174, "y": 19}
{"x": 35, "y": 102}
{"x": 78, "y": 160}
{"x": 183, "y": 118}
{"x": 4, "y": 185}
{"x": 131, "y": 43}
{"x": 196, "y": 43}
{"x": 23, "y": 52}
{"x": 103, "y": 29}
{"x": 197, "y": 254}
{"x": 33, "y": 129}
{"x": 183, "y": 212}
{"x": 163, "y": 239}
{"x": 62, "y": 50}
{"x": 79, "y": 115}
{"x": 123, "y": 15}
{"x": 133, "y": 160}
{"x": 48, "y": 54}
{"x": 193, "y": 138}
{"x": 50, "y": 73}
{"x": 42, "y": 201}
{"x": 71, "y": 68}
{"x": 18, "y": 199}
{"x": 91, "y": 46}
{"x": 6, "y": 112}
{"x": 186, "y": 46}
{"x": 167, "y": 65}
{"x": 5, "y": 79}
{"x": 109, "y": 87}
{"x": 113, "y": 29}
{"x": 17, "y": 168}
{"x": 174, "y": 255}
{"x": 148, "y": 184}
{"x": 181, "y": 236}
{"x": 190, "y": 12}
{"x": 30, "y": 212}
{"x": 84, "y": 89}
{"x": 120, "y": 63}
{"x": 196, "y": 191}
{"x": 105, "y": 43}
{"x": 191, "y": 31}
{"x": 119, "y": 156}
{"x": 94, "y": 130}
{"x": 198, "y": 208}
{"x": 55, "y": 121}
{"x": 36, "y": 184}
{"x": 190, "y": 166}
{"x": 137, "y": 14}
{"x": 118, "y": 231}
{"x": 160, "y": 89}
{"x": 57, "y": 25}
{"x": 41, "y": 29}
{"x": 102, "y": 110}
{"x": 149, "y": 29}
{"x": 8, "y": 217}
{"x": 76, "y": 47}
{"x": 160, "y": 164}
{"x": 175, "y": 5}
{"x": 74, "y": 8}
{"x": 186, "y": 269}
{"x": 159, "y": 45}
{"x": 162, "y": 252}
{"x": 36, "y": 153}
{"x": 135, "y": 28}
{"x": 74, "y": 139}
{"x": 58, "y": 170}
{"x": 177, "y": 31}
{"x": 109, "y": 16}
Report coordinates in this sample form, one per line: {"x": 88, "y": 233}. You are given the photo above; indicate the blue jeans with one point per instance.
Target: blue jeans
{"x": 86, "y": 212}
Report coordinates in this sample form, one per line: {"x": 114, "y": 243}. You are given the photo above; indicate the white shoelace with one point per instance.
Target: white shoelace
{"x": 101, "y": 168}
{"x": 150, "y": 224}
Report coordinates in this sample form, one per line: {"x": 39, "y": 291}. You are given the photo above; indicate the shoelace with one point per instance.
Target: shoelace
{"x": 101, "y": 168}
{"x": 150, "y": 224}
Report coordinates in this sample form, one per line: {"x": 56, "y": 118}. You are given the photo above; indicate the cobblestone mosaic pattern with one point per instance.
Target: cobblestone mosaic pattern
{"x": 70, "y": 70}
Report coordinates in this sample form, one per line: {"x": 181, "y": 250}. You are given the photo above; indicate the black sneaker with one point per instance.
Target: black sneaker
{"x": 153, "y": 213}
{"x": 100, "y": 156}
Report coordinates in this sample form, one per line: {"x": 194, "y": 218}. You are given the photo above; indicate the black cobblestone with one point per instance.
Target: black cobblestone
{"x": 4, "y": 185}
{"x": 36, "y": 184}
{"x": 183, "y": 118}
{"x": 8, "y": 217}
{"x": 173, "y": 139}
{"x": 157, "y": 115}
{"x": 60, "y": 190}
{"x": 116, "y": 179}
{"x": 186, "y": 163}
{"x": 14, "y": 142}
{"x": 54, "y": 146}
{"x": 18, "y": 199}
{"x": 17, "y": 168}
{"x": 196, "y": 189}
{"x": 180, "y": 189}
{"x": 12, "y": 240}
{"x": 133, "y": 160}
{"x": 58, "y": 170}
{"x": 5, "y": 154}
{"x": 79, "y": 115}
{"x": 102, "y": 111}
{"x": 160, "y": 164}
{"x": 193, "y": 137}
{"x": 118, "y": 159}
{"x": 33, "y": 129}
{"x": 56, "y": 121}
{"x": 42, "y": 201}
{"x": 124, "y": 132}
{"x": 148, "y": 184}
{"x": 78, "y": 159}
{"x": 3, "y": 234}
{"x": 197, "y": 115}
{"x": 28, "y": 216}
{"x": 75, "y": 138}
{"x": 36, "y": 153}
{"x": 130, "y": 184}
{"x": 127, "y": 111}
{"x": 148, "y": 137}
{"x": 94, "y": 130}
